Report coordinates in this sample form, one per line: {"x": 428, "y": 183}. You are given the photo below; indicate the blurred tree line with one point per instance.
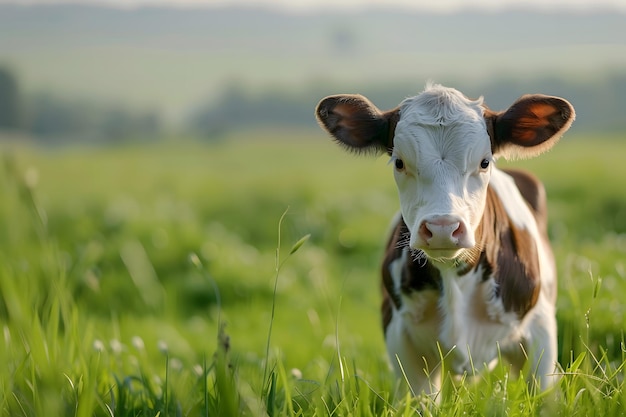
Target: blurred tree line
{"x": 599, "y": 105}
{"x": 51, "y": 119}
{"x": 599, "y": 102}
{"x": 9, "y": 101}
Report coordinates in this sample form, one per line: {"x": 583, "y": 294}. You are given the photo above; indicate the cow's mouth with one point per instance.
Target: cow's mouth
{"x": 442, "y": 254}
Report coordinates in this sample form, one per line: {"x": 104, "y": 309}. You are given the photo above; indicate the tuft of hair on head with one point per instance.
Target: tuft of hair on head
{"x": 438, "y": 105}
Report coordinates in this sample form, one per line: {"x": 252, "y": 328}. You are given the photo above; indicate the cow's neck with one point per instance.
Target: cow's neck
{"x": 504, "y": 252}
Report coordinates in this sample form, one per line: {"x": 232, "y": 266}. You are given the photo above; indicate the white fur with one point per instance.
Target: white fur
{"x": 442, "y": 151}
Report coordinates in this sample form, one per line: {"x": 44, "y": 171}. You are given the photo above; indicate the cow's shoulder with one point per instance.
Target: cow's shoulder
{"x": 511, "y": 239}
{"x": 533, "y": 192}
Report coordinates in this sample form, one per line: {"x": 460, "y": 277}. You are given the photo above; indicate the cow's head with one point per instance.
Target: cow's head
{"x": 442, "y": 147}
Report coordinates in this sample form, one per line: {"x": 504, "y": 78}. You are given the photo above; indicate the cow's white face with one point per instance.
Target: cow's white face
{"x": 442, "y": 162}
{"x": 442, "y": 147}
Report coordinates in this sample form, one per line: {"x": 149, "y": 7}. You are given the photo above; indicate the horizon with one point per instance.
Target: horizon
{"x": 174, "y": 61}
{"x": 316, "y": 6}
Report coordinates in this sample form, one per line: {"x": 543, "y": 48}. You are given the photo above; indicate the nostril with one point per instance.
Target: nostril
{"x": 459, "y": 232}
{"x": 425, "y": 232}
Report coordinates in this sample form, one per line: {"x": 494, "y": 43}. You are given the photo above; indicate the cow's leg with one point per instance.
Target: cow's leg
{"x": 538, "y": 353}
{"x": 542, "y": 345}
{"x": 416, "y": 364}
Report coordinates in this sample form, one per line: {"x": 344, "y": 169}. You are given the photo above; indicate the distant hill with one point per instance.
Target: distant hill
{"x": 173, "y": 61}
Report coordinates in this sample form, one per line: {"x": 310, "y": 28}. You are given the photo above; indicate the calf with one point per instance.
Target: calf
{"x": 468, "y": 272}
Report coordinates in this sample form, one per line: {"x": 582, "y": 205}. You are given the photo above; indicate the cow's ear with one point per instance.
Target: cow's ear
{"x": 531, "y": 126}
{"x": 356, "y": 123}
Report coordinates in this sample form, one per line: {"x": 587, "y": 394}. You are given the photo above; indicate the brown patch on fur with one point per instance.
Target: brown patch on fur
{"x": 486, "y": 265}
{"x": 517, "y": 271}
{"x": 417, "y": 274}
{"x": 534, "y": 193}
{"x": 394, "y": 251}
{"x": 510, "y": 255}
{"x": 386, "y": 309}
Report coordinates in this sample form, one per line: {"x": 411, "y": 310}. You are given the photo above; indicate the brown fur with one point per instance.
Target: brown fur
{"x": 534, "y": 193}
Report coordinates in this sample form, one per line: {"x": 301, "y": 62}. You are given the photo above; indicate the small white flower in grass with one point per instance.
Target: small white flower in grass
{"x": 296, "y": 373}
{"x": 116, "y": 346}
{"x": 195, "y": 260}
{"x": 98, "y": 346}
{"x": 176, "y": 364}
{"x": 138, "y": 343}
{"x": 198, "y": 369}
{"x": 162, "y": 346}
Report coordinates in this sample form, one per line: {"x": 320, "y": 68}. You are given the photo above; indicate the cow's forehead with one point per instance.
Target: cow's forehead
{"x": 441, "y": 122}
{"x": 440, "y": 106}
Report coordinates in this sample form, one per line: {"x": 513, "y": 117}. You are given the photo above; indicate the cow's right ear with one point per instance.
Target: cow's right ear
{"x": 531, "y": 126}
{"x": 356, "y": 123}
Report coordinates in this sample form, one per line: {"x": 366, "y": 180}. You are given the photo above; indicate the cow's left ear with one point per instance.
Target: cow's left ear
{"x": 356, "y": 123}
{"x": 531, "y": 126}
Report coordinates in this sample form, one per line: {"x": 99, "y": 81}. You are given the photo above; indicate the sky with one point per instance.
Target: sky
{"x": 317, "y": 5}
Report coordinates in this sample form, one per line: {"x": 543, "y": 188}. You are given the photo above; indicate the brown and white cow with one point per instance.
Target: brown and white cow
{"x": 468, "y": 273}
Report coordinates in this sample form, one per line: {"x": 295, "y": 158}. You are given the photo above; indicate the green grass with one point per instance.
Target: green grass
{"x": 155, "y": 280}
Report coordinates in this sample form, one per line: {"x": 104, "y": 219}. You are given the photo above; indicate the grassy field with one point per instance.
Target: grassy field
{"x": 160, "y": 281}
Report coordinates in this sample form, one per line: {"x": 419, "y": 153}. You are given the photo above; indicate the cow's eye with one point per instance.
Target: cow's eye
{"x": 399, "y": 164}
{"x": 484, "y": 164}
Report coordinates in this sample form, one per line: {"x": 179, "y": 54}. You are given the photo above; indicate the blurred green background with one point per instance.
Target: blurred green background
{"x": 148, "y": 154}
{"x": 85, "y": 73}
